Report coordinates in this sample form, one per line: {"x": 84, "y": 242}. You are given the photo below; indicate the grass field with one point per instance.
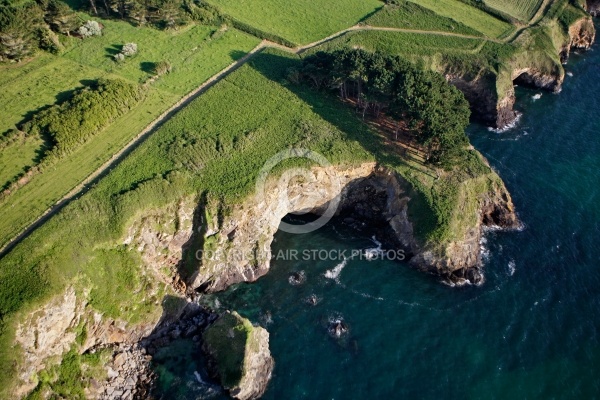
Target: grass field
{"x": 194, "y": 57}
{"x": 299, "y": 21}
{"x": 468, "y": 15}
{"x": 523, "y": 10}
{"x": 413, "y": 46}
{"x": 408, "y": 15}
{"x": 191, "y": 52}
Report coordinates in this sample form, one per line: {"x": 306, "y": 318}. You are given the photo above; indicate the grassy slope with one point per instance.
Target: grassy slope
{"x": 408, "y": 15}
{"x": 215, "y": 146}
{"x": 299, "y": 21}
{"x": 468, "y": 15}
{"x": 423, "y": 49}
{"x": 194, "y": 56}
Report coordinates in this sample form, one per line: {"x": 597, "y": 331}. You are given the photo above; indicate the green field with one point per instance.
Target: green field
{"x": 298, "y": 21}
{"x": 191, "y": 52}
{"x": 194, "y": 57}
{"x": 409, "y": 15}
{"x": 522, "y": 10}
{"x": 468, "y": 15}
{"x": 413, "y": 46}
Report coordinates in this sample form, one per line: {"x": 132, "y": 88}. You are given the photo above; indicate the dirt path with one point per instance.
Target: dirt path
{"x": 105, "y": 168}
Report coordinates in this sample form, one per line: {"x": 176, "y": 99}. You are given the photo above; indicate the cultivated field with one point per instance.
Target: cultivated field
{"x": 299, "y": 21}
{"x": 413, "y": 46}
{"x": 522, "y": 10}
{"x": 468, "y": 15}
{"x": 408, "y": 15}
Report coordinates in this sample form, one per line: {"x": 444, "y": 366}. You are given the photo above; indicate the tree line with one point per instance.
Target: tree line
{"x": 435, "y": 110}
{"x": 35, "y": 24}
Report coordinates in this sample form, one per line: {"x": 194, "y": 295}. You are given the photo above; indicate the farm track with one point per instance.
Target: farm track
{"x": 105, "y": 168}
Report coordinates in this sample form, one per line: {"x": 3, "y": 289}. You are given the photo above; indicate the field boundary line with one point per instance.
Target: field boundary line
{"x": 117, "y": 157}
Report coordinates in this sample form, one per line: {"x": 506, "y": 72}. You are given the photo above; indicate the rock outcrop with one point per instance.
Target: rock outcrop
{"x": 239, "y": 356}
{"x": 593, "y": 7}
{"x": 370, "y": 196}
{"x": 491, "y": 93}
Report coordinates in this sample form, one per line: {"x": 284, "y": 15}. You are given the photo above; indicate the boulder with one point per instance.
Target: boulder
{"x": 239, "y": 356}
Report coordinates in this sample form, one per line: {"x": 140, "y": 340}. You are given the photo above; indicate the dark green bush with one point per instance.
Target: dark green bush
{"x": 69, "y": 124}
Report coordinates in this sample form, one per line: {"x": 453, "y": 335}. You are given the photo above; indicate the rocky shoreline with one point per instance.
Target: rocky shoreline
{"x": 491, "y": 93}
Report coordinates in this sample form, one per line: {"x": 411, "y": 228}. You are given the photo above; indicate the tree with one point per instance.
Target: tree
{"x": 90, "y": 28}
{"x": 60, "y": 17}
{"x": 436, "y": 111}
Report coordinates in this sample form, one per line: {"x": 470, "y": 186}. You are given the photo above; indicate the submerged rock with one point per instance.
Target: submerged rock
{"x": 239, "y": 356}
{"x": 297, "y": 278}
{"x": 312, "y": 300}
{"x": 337, "y": 328}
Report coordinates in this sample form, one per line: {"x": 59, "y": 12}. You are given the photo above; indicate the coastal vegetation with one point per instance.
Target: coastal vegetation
{"x": 469, "y": 16}
{"x": 368, "y": 95}
{"x": 521, "y": 10}
{"x": 194, "y": 54}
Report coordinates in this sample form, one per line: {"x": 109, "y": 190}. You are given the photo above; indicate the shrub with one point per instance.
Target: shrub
{"x": 119, "y": 57}
{"x": 161, "y": 68}
{"x": 129, "y": 49}
{"x": 90, "y": 28}
{"x": 71, "y": 123}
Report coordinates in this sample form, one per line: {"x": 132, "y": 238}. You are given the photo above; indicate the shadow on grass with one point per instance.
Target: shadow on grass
{"x": 113, "y": 50}
{"x": 148, "y": 67}
{"x": 275, "y": 67}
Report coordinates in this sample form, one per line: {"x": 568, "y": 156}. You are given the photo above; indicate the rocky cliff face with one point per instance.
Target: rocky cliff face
{"x": 370, "y": 196}
{"x": 50, "y": 331}
{"x": 593, "y": 7}
{"x": 491, "y": 94}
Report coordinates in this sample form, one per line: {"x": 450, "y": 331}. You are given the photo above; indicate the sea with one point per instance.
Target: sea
{"x": 530, "y": 331}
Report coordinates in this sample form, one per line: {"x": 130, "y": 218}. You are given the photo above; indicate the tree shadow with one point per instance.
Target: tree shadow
{"x": 275, "y": 67}
{"x": 175, "y": 345}
{"x": 148, "y": 67}
{"x": 328, "y": 106}
{"x": 113, "y": 50}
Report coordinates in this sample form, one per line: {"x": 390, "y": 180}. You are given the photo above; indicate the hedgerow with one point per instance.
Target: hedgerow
{"x": 69, "y": 124}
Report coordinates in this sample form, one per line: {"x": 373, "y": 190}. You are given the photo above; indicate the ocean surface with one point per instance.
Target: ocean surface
{"x": 532, "y": 330}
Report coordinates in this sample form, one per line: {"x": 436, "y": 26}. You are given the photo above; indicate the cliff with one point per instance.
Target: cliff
{"x": 239, "y": 356}
{"x": 534, "y": 59}
{"x": 593, "y": 7}
{"x": 373, "y": 195}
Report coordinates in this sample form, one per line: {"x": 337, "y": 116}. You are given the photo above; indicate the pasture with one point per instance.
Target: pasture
{"x": 193, "y": 54}
{"x": 298, "y": 21}
{"x": 522, "y": 10}
{"x": 469, "y": 15}
{"x": 408, "y": 15}
{"x": 413, "y": 46}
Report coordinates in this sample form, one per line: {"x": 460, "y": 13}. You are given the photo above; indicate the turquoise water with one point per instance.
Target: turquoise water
{"x": 532, "y": 329}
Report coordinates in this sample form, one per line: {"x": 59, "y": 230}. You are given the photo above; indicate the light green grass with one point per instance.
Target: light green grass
{"x": 423, "y": 49}
{"x": 16, "y": 156}
{"x": 37, "y": 84}
{"x": 298, "y": 21}
{"x": 408, "y": 15}
{"x": 47, "y": 77}
{"x": 31, "y": 200}
{"x": 468, "y": 15}
{"x": 193, "y": 55}
{"x": 522, "y": 10}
